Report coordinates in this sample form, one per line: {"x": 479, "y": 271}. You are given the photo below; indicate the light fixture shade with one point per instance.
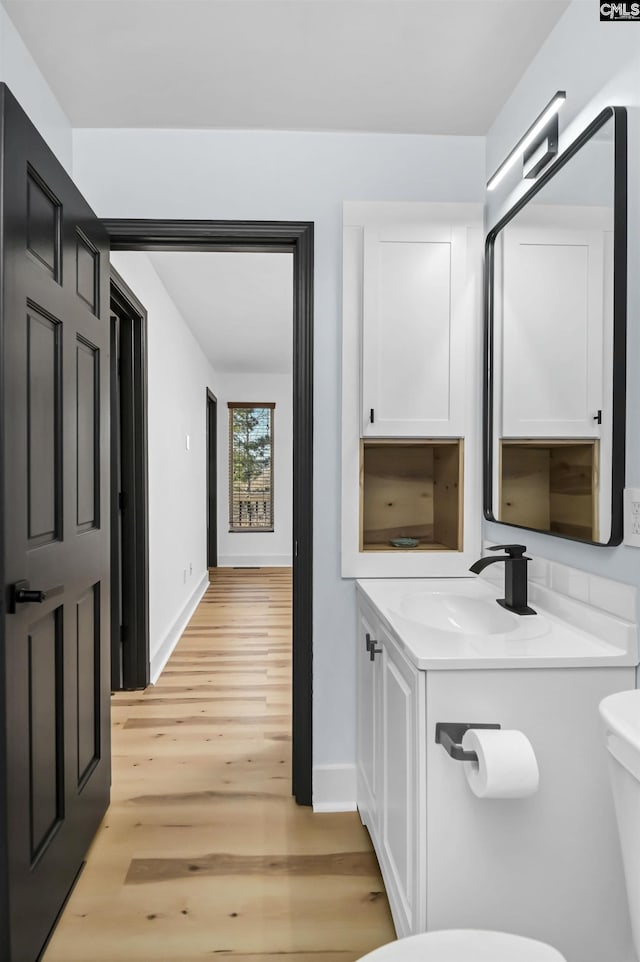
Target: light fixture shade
{"x": 529, "y": 139}
{"x": 541, "y": 151}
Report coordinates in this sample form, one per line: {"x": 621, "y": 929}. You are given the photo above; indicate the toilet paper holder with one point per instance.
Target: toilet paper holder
{"x": 450, "y": 734}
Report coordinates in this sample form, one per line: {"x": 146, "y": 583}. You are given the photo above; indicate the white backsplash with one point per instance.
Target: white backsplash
{"x": 594, "y": 591}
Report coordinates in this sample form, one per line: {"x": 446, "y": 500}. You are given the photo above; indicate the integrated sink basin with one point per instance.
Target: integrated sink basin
{"x": 458, "y": 613}
{"x": 458, "y": 610}
{"x": 457, "y": 623}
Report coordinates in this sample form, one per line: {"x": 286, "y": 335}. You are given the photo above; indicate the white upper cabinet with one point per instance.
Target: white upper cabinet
{"x": 413, "y": 330}
{"x": 411, "y": 399}
{"x": 553, "y": 343}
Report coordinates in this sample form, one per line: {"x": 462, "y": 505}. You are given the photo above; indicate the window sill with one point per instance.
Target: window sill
{"x": 251, "y": 530}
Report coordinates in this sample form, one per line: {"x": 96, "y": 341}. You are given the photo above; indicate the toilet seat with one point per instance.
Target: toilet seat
{"x": 464, "y": 945}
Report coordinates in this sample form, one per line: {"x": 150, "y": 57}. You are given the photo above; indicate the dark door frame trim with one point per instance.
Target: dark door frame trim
{"x": 263, "y": 236}
{"x": 212, "y": 481}
{"x": 132, "y": 501}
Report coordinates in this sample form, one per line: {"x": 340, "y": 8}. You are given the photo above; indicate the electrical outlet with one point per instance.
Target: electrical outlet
{"x": 631, "y": 509}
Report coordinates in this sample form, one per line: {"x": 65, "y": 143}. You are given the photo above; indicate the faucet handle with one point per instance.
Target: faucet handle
{"x": 513, "y": 550}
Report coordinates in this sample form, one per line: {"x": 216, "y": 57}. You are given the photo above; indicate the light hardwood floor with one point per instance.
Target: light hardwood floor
{"x": 203, "y": 853}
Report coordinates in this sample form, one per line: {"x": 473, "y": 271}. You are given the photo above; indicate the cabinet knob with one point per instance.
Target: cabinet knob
{"x": 373, "y": 651}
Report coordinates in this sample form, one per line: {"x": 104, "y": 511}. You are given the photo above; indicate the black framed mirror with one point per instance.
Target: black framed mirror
{"x": 555, "y": 345}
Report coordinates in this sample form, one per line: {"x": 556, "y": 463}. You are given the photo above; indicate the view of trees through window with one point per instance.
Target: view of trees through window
{"x": 250, "y": 467}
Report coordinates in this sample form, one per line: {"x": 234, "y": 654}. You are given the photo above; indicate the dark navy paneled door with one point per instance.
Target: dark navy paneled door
{"x": 54, "y": 698}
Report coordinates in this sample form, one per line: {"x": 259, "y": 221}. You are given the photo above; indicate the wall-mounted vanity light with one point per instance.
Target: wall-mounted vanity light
{"x": 537, "y": 146}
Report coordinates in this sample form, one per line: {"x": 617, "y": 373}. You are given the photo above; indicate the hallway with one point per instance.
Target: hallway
{"x": 203, "y": 852}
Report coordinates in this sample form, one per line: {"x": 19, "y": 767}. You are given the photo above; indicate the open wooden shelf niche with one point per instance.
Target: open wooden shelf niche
{"x": 411, "y": 489}
{"x": 550, "y": 485}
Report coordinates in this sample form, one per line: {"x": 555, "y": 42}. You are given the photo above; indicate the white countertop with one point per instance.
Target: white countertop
{"x": 564, "y": 634}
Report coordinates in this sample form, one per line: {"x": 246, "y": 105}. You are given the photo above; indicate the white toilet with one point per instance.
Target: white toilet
{"x": 620, "y": 714}
{"x": 464, "y": 945}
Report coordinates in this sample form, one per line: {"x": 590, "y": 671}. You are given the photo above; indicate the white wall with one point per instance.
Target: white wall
{"x": 252, "y": 548}
{"x": 19, "y": 71}
{"x": 297, "y": 176}
{"x": 598, "y": 64}
{"x": 179, "y": 374}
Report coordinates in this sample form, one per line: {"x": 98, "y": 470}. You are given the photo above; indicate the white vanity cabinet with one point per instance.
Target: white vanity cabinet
{"x": 391, "y": 777}
{"x": 546, "y": 866}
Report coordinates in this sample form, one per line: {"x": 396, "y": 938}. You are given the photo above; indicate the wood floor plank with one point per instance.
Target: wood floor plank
{"x": 203, "y": 853}
{"x": 257, "y": 828}
{"x": 163, "y": 722}
{"x": 169, "y": 690}
{"x": 221, "y": 863}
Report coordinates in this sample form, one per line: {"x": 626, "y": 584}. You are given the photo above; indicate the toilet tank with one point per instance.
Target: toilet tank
{"x": 621, "y": 716}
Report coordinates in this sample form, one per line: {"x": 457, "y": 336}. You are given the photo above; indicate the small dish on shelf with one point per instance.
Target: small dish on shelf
{"x": 404, "y": 542}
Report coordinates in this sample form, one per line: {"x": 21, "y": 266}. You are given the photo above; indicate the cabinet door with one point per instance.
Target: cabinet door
{"x": 369, "y": 720}
{"x": 553, "y": 340}
{"x": 413, "y": 339}
{"x": 403, "y": 818}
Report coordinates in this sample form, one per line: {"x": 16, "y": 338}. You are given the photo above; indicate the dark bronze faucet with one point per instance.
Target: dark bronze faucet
{"x": 515, "y": 577}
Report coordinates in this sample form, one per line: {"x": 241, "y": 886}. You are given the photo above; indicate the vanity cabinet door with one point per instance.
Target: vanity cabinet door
{"x": 402, "y": 851}
{"x": 414, "y": 330}
{"x": 369, "y": 720}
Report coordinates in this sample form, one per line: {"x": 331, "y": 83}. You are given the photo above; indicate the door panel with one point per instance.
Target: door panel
{"x": 88, "y": 434}
{"x": 54, "y": 651}
{"x": 42, "y": 428}
{"x": 87, "y": 272}
{"x": 399, "y": 779}
{"x": 43, "y": 224}
{"x": 46, "y": 747}
{"x": 88, "y": 681}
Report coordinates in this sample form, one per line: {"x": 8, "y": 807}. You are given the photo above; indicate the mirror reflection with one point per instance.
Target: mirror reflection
{"x": 555, "y": 446}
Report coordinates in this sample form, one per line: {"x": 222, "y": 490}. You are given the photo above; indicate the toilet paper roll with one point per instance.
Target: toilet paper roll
{"x": 506, "y": 766}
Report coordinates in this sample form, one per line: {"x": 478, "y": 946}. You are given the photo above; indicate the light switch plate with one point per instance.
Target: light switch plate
{"x": 631, "y": 508}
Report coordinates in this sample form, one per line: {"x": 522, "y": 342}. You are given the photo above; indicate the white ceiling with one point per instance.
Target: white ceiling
{"x": 415, "y": 66}
{"x": 397, "y": 66}
{"x": 238, "y": 305}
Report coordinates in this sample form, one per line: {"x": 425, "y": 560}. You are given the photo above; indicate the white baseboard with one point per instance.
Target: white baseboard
{"x": 255, "y": 561}
{"x": 334, "y": 788}
{"x": 171, "y": 639}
